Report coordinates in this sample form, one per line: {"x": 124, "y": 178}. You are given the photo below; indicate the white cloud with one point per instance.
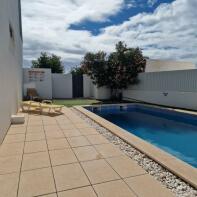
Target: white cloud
{"x": 168, "y": 33}
{"x": 151, "y": 2}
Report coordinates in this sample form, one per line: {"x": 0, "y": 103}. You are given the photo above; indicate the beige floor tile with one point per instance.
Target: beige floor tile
{"x": 78, "y": 141}
{"x": 10, "y": 164}
{"x": 99, "y": 171}
{"x": 14, "y": 138}
{"x": 35, "y": 146}
{"x": 125, "y": 167}
{"x": 97, "y": 139}
{"x": 50, "y": 195}
{"x": 60, "y": 143}
{"x": 35, "y": 129}
{"x": 63, "y": 156}
{"x": 35, "y": 136}
{"x": 114, "y": 188}
{"x": 86, "y": 153}
{"x": 69, "y": 176}
{"x": 9, "y": 185}
{"x": 108, "y": 150}
{"x": 52, "y": 128}
{"x": 80, "y": 192}
{"x": 17, "y": 130}
{"x": 67, "y": 126}
{"x": 145, "y": 185}
{"x": 36, "y": 182}
{"x": 71, "y": 132}
{"x": 54, "y": 135}
{"x": 35, "y": 123}
{"x": 35, "y": 160}
{"x": 88, "y": 131}
{"x": 11, "y": 149}
{"x": 82, "y": 125}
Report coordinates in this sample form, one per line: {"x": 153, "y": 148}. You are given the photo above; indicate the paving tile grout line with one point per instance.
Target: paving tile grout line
{"x": 107, "y": 163}
{"x": 22, "y": 157}
{"x": 50, "y": 158}
{"x": 81, "y": 166}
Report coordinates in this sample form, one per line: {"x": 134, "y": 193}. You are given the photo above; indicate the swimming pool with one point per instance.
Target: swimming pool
{"x": 172, "y": 131}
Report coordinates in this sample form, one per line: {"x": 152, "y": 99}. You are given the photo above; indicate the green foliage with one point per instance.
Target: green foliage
{"x": 46, "y": 61}
{"x": 77, "y": 71}
{"x": 116, "y": 71}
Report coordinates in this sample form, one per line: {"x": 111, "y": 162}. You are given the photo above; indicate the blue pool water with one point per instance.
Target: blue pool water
{"x": 171, "y": 131}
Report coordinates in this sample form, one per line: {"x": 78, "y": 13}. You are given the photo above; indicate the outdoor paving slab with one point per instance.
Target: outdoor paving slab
{"x": 35, "y": 146}
{"x": 108, "y": 150}
{"x": 82, "y": 125}
{"x": 97, "y": 139}
{"x": 35, "y": 129}
{"x": 35, "y": 123}
{"x": 78, "y": 141}
{"x": 63, "y": 156}
{"x": 35, "y": 136}
{"x": 60, "y": 143}
{"x": 125, "y": 167}
{"x": 36, "y": 182}
{"x": 35, "y": 160}
{"x": 86, "y": 153}
{"x": 146, "y": 185}
{"x": 88, "y": 131}
{"x": 80, "y": 192}
{"x": 69, "y": 176}
{"x": 50, "y": 195}
{"x": 114, "y": 189}
{"x": 55, "y": 134}
{"x": 11, "y": 149}
{"x": 67, "y": 126}
{"x": 14, "y": 138}
{"x": 99, "y": 171}
{"x": 71, "y": 132}
{"x": 10, "y": 164}
{"x": 9, "y": 185}
{"x": 17, "y": 130}
{"x": 52, "y": 128}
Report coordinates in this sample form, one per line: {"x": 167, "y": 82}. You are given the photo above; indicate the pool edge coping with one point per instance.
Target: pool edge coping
{"x": 168, "y": 161}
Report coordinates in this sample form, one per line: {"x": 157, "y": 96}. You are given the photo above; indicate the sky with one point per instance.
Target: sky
{"x": 163, "y": 29}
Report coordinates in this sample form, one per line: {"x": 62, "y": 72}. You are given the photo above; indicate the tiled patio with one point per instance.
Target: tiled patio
{"x": 63, "y": 156}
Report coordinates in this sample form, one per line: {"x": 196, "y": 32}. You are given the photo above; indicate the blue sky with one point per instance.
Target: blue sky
{"x": 130, "y": 9}
{"x": 164, "y": 29}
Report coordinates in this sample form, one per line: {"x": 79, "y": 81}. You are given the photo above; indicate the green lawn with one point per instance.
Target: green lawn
{"x": 73, "y": 102}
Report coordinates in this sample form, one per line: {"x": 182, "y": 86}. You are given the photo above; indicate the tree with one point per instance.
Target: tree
{"x": 77, "y": 71}
{"x": 46, "y": 61}
{"x": 116, "y": 71}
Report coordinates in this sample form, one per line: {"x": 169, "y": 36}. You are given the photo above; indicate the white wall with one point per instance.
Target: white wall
{"x": 43, "y": 84}
{"x": 170, "y": 88}
{"x": 62, "y": 86}
{"x": 10, "y": 62}
{"x": 167, "y": 65}
{"x": 88, "y": 87}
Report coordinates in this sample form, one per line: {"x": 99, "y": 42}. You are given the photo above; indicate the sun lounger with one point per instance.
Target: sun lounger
{"x": 32, "y": 105}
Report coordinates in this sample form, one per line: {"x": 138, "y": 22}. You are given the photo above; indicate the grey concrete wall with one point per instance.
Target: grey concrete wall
{"x": 62, "y": 86}
{"x": 10, "y": 62}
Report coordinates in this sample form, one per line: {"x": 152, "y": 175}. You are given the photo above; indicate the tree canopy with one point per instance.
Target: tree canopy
{"x": 117, "y": 70}
{"x": 49, "y": 61}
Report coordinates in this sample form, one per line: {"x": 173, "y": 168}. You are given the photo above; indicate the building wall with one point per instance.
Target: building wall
{"x": 40, "y": 79}
{"x": 10, "y": 62}
{"x": 171, "y": 88}
{"x": 167, "y": 65}
{"x": 62, "y": 86}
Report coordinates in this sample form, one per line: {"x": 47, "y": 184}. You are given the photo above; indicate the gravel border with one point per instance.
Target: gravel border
{"x": 169, "y": 180}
